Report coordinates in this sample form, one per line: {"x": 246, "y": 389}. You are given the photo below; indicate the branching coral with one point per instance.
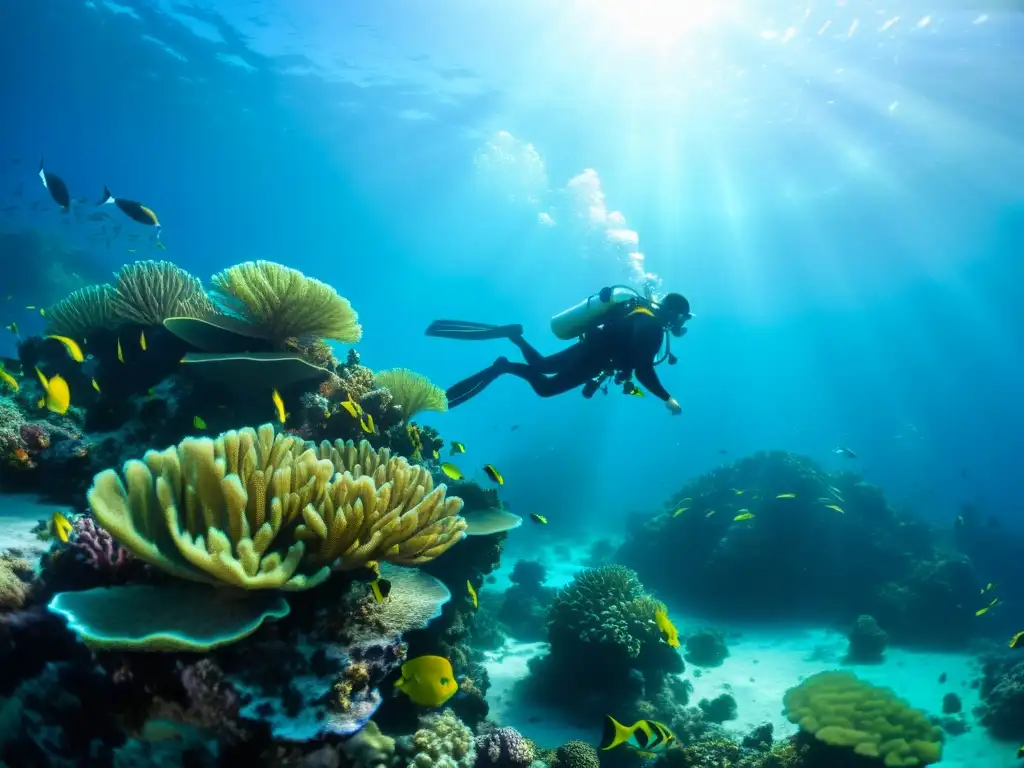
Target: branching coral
{"x": 413, "y": 392}
{"x": 606, "y": 606}
{"x": 841, "y": 710}
{"x": 149, "y": 292}
{"x": 282, "y": 303}
{"x": 247, "y": 508}
{"x": 82, "y": 312}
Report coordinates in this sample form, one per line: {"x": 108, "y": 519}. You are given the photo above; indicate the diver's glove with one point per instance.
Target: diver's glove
{"x": 673, "y": 406}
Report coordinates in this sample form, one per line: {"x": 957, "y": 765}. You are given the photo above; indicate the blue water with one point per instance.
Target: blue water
{"x": 842, "y": 206}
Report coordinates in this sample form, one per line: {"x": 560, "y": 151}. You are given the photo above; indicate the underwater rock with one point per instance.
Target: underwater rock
{"x": 719, "y": 709}
{"x": 1002, "y": 694}
{"x": 951, "y": 704}
{"x": 867, "y": 642}
{"x": 706, "y": 648}
{"x": 529, "y": 574}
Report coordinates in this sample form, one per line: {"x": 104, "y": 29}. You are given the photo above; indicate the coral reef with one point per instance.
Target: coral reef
{"x": 1002, "y": 695}
{"x": 820, "y": 547}
{"x": 840, "y": 710}
{"x": 602, "y": 620}
{"x": 576, "y": 754}
{"x": 867, "y": 642}
{"x": 149, "y": 292}
{"x": 719, "y": 709}
{"x": 441, "y": 742}
{"x": 15, "y": 580}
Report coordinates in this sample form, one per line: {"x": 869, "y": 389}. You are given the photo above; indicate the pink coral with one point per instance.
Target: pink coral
{"x": 95, "y": 546}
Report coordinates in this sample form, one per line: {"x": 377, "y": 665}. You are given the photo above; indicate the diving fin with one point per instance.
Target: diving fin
{"x": 470, "y": 387}
{"x": 470, "y": 331}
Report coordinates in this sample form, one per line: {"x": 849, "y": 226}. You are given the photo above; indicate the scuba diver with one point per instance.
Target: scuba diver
{"x": 620, "y": 334}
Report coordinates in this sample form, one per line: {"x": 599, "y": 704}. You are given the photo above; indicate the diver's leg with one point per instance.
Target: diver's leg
{"x": 546, "y": 363}
{"x": 548, "y": 386}
{"x": 472, "y": 386}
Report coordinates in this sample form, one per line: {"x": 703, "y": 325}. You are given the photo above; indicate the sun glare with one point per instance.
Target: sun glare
{"x": 658, "y": 23}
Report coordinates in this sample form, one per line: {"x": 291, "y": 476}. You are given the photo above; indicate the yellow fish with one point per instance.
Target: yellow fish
{"x": 13, "y": 328}
{"x": 987, "y": 608}
{"x": 381, "y": 588}
{"x": 198, "y": 423}
{"x": 95, "y": 385}
{"x": 279, "y": 406}
{"x": 428, "y": 681}
{"x": 647, "y": 737}
{"x": 120, "y": 352}
{"x": 31, "y": 306}
{"x": 833, "y": 506}
{"x": 744, "y": 516}
{"x": 142, "y": 340}
{"x": 539, "y": 519}
{"x": 354, "y": 410}
{"x": 668, "y": 630}
{"x": 58, "y": 396}
{"x": 61, "y": 527}
{"x": 988, "y": 587}
{"x": 367, "y": 424}
{"x": 160, "y": 245}
{"x": 687, "y": 500}
{"x": 709, "y": 513}
{"x": 132, "y": 250}
{"x": 786, "y": 496}
{"x": 42, "y": 312}
{"x": 737, "y": 491}
{"x": 451, "y": 470}
{"x": 679, "y": 511}
{"x": 636, "y": 392}
{"x": 74, "y": 351}
{"x": 436, "y": 454}
{"x": 472, "y": 595}
{"x": 494, "y": 474}
{"x": 9, "y": 380}
{"x": 456, "y": 448}
{"x": 1017, "y": 641}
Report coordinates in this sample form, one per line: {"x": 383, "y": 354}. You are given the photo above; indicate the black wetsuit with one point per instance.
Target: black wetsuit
{"x": 627, "y": 344}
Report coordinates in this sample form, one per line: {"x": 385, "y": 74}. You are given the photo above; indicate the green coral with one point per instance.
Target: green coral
{"x": 82, "y": 312}
{"x": 840, "y": 709}
{"x": 412, "y": 392}
{"x": 149, "y": 292}
{"x": 605, "y": 606}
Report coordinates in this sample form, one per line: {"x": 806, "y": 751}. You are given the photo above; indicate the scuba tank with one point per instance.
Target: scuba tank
{"x": 577, "y": 320}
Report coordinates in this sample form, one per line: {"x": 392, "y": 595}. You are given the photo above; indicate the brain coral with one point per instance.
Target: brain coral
{"x": 842, "y": 710}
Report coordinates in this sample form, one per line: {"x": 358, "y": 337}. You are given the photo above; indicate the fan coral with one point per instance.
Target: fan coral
{"x": 149, "y": 292}
{"x": 413, "y": 392}
{"x": 82, "y": 312}
{"x": 841, "y": 710}
{"x": 242, "y": 509}
{"x": 282, "y": 303}
{"x": 606, "y": 606}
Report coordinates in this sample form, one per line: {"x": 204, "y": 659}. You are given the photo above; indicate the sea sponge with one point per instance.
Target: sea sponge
{"x": 82, "y": 312}
{"x": 149, "y": 292}
{"x": 413, "y": 392}
{"x": 262, "y": 511}
{"x": 842, "y": 710}
{"x": 605, "y": 606}
{"x": 282, "y": 303}
{"x": 443, "y": 741}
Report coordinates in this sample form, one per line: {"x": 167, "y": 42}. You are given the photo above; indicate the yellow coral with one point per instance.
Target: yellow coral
{"x": 842, "y": 710}
{"x": 84, "y": 311}
{"x": 149, "y": 292}
{"x": 412, "y": 391}
{"x": 379, "y": 507}
{"x": 282, "y": 303}
{"x": 262, "y": 511}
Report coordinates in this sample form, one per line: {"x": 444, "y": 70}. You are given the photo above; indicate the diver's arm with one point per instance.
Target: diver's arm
{"x": 647, "y": 376}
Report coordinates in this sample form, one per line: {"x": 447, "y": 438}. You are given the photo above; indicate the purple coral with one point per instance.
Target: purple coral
{"x": 96, "y": 547}
{"x": 213, "y": 702}
{"x": 505, "y": 747}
